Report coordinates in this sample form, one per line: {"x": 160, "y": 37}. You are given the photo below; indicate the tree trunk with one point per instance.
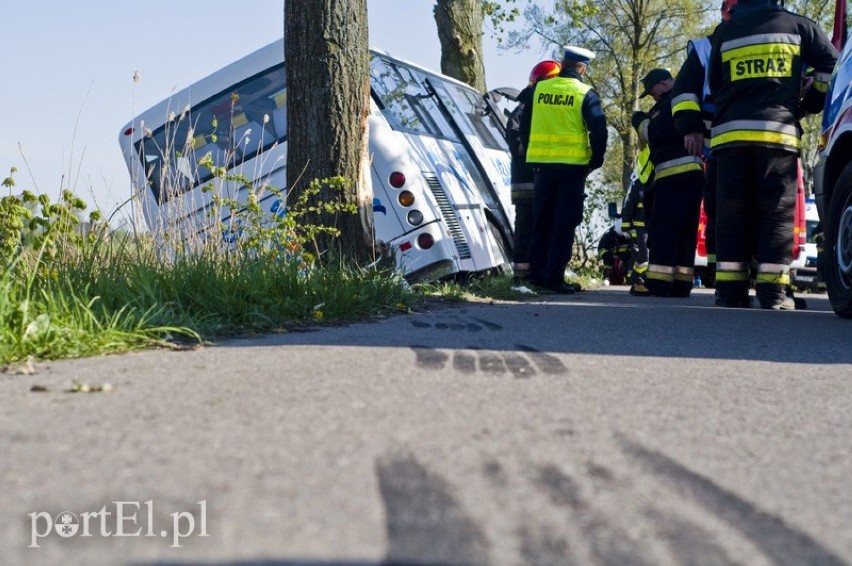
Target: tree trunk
{"x": 328, "y": 69}
{"x": 460, "y": 32}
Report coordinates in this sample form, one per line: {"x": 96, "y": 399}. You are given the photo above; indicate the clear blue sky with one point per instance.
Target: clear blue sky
{"x": 68, "y": 70}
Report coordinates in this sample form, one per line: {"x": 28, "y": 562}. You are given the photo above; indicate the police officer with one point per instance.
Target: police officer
{"x": 755, "y": 74}
{"x": 678, "y": 185}
{"x": 692, "y": 108}
{"x": 523, "y": 176}
{"x": 565, "y": 133}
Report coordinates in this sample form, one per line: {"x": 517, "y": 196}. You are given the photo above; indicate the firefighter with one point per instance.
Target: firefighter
{"x": 755, "y": 74}
{"x": 523, "y": 176}
{"x": 634, "y": 224}
{"x": 677, "y": 187}
{"x": 614, "y": 252}
{"x": 565, "y": 133}
{"x": 692, "y": 108}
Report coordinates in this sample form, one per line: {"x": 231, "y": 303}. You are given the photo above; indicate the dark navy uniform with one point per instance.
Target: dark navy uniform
{"x": 673, "y": 220}
{"x": 692, "y": 109}
{"x": 564, "y": 131}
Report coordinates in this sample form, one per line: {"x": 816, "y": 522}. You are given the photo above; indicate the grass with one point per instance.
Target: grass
{"x": 67, "y": 292}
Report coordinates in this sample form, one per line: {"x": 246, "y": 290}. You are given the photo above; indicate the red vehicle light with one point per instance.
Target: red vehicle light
{"x": 396, "y": 179}
{"x": 425, "y": 241}
{"x": 128, "y": 131}
{"x": 405, "y": 246}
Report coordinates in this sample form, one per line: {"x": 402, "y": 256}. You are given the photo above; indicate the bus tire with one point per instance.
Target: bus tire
{"x": 838, "y": 245}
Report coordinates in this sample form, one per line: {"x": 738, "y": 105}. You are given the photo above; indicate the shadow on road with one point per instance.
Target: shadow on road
{"x": 599, "y": 322}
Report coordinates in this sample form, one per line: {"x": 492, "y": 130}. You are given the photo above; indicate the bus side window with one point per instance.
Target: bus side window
{"x": 427, "y": 122}
{"x": 483, "y": 131}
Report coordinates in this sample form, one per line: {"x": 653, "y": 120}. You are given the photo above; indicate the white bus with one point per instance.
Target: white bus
{"x": 440, "y": 164}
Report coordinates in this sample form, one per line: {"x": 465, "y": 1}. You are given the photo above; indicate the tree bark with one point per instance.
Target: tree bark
{"x": 460, "y": 33}
{"x": 327, "y": 58}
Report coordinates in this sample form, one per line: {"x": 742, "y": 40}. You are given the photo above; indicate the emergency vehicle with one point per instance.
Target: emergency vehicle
{"x": 440, "y": 167}
{"x": 808, "y": 276}
{"x": 833, "y": 174}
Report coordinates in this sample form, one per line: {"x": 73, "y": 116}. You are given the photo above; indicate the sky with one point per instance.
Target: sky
{"x": 69, "y": 69}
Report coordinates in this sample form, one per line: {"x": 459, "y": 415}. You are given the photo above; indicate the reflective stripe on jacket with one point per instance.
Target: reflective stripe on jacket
{"x": 678, "y": 166}
{"x": 756, "y": 65}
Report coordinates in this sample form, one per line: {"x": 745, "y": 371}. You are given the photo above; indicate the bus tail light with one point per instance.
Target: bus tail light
{"x": 405, "y": 246}
{"x": 415, "y": 218}
{"x": 406, "y": 198}
{"x": 397, "y": 179}
{"x": 425, "y": 241}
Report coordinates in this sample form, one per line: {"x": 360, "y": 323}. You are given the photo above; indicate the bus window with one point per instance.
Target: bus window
{"x": 473, "y": 105}
{"x": 232, "y": 127}
{"x": 405, "y": 101}
{"x": 467, "y": 109}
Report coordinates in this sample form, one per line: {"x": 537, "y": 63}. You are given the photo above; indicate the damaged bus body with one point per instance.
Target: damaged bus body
{"x": 439, "y": 161}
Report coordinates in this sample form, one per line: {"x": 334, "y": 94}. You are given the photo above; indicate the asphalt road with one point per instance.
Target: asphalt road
{"x": 594, "y": 429}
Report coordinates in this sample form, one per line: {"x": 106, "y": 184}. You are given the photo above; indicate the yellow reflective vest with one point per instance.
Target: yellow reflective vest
{"x": 558, "y": 133}
{"x": 644, "y": 167}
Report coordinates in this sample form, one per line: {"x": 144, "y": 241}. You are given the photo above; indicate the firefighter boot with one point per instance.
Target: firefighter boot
{"x": 683, "y": 282}
{"x": 800, "y": 303}
{"x": 709, "y": 278}
{"x": 732, "y": 294}
{"x": 774, "y": 296}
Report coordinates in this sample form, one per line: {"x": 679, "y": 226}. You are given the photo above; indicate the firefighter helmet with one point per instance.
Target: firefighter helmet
{"x": 727, "y": 6}
{"x": 544, "y": 70}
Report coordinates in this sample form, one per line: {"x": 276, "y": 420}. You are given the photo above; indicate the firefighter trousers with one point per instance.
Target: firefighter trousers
{"x": 710, "y": 171}
{"x": 634, "y": 222}
{"x": 756, "y": 200}
{"x": 673, "y": 233}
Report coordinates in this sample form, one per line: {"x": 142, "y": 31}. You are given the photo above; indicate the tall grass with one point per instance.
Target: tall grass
{"x": 69, "y": 292}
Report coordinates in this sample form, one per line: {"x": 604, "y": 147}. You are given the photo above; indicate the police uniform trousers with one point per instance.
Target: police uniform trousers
{"x": 522, "y": 199}
{"x": 756, "y": 200}
{"x": 673, "y": 233}
{"x": 557, "y": 211}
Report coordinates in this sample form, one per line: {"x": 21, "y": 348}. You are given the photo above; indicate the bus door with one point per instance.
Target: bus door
{"x": 485, "y": 141}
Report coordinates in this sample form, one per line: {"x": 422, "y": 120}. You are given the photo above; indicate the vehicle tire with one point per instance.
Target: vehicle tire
{"x": 838, "y": 245}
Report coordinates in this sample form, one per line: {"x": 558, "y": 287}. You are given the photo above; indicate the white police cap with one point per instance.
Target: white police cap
{"x": 578, "y": 54}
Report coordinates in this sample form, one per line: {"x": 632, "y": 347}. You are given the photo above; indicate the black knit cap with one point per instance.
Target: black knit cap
{"x": 653, "y": 77}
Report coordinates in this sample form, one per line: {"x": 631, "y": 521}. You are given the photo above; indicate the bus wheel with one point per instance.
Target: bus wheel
{"x": 838, "y": 245}
{"x": 505, "y": 261}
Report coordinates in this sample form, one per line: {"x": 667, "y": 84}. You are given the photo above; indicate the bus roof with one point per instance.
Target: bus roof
{"x": 257, "y": 61}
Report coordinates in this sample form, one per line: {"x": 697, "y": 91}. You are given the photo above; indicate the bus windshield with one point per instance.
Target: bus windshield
{"x": 231, "y": 127}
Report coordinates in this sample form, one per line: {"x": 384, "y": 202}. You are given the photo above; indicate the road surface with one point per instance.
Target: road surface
{"x": 591, "y": 429}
